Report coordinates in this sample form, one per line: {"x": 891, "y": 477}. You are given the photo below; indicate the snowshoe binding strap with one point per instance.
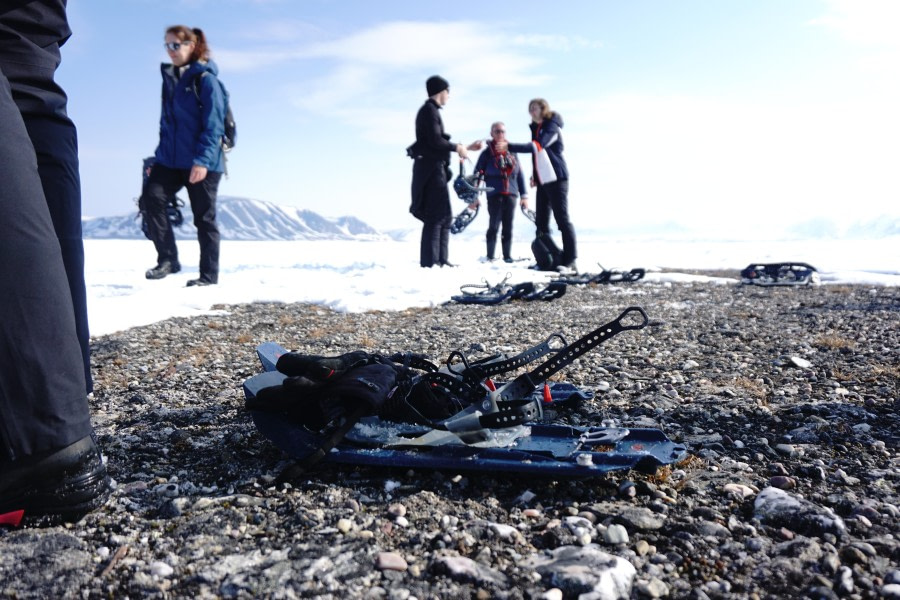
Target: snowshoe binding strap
{"x": 462, "y": 220}
{"x": 482, "y": 369}
{"x": 547, "y": 292}
{"x": 525, "y": 384}
{"x": 485, "y": 293}
{"x": 786, "y": 273}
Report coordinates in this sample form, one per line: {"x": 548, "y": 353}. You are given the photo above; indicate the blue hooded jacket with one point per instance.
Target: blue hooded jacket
{"x": 191, "y": 128}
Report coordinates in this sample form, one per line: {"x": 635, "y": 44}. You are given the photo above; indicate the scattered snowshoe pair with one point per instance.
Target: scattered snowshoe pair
{"x": 604, "y": 276}
{"x": 777, "y": 274}
{"x": 404, "y": 411}
{"x": 485, "y": 293}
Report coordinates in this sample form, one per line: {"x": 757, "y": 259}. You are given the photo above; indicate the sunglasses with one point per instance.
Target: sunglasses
{"x": 175, "y": 46}
{"x": 499, "y": 131}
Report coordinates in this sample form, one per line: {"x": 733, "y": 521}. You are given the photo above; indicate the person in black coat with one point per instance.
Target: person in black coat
{"x": 431, "y": 172}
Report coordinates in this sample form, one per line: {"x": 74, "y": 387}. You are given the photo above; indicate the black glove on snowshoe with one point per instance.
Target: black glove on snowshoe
{"x": 320, "y": 389}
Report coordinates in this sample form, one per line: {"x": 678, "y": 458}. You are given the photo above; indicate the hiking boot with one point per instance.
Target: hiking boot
{"x": 54, "y": 487}
{"x": 164, "y": 268}
{"x": 199, "y": 282}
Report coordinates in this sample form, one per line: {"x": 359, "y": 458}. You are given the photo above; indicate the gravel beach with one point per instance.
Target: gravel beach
{"x": 786, "y": 398}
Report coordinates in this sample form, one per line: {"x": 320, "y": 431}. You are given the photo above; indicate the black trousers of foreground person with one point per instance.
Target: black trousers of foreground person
{"x": 501, "y": 210}
{"x": 555, "y": 196}
{"x": 43, "y": 352}
{"x": 163, "y": 184}
{"x": 28, "y": 65}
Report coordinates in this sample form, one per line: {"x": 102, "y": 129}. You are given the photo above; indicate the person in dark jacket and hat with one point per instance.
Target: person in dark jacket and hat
{"x": 431, "y": 171}
{"x": 190, "y": 152}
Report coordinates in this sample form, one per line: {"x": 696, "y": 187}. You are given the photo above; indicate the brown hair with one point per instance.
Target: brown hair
{"x": 546, "y": 113}
{"x": 196, "y": 35}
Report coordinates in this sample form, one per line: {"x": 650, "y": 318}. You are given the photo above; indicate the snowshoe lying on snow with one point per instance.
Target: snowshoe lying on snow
{"x": 404, "y": 411}
{"x": 604, "y": 276}
{"x": 485, "y": 293}
{"x": 786, "y": 273}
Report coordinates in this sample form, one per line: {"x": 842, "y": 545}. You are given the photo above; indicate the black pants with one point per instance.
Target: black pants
{"x": 163, "y": 184}
{"x": 555, "y": 196}
{"x": 435, "y": 246}
{"x": 43, "y": 353}
{"x": 431, "y": 204}
{"x": 501, "y": 210}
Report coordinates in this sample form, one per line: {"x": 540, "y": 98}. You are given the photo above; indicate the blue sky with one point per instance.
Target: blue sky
{"x": 717, "y": 115}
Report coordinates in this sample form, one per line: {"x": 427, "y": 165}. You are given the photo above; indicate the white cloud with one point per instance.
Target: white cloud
{"x": 865, "y": 22}
{"x": 695, "y": 159}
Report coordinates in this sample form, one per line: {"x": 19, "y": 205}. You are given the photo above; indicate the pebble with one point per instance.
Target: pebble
{"x": 615, "y": 534}
{"x": 782, "y": 482}
{"x": 800, "y": 363}
{"x": 738, "y": 490}
{"x": 161, "y": 569}
{"x": 344, "y": 525}
{"x": 390, "y": 561}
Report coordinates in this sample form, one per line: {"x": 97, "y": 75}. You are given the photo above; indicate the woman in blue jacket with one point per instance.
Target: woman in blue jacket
{"x": 190, "y": 152}
{"x": 501, "y": 171}
{"x": 546, "y": 133}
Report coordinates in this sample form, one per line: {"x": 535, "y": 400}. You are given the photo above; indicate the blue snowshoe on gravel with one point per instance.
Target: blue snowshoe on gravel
{"x": 404, "y": 411}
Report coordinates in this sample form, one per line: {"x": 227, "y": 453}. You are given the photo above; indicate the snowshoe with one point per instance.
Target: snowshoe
{"x": 604, "y": 276}
{"x": 776, "y": 274}
{"x": 468, "y": 188}
{"x": 485, "y": 293}
{"x": 173, "y": 209}
{"x": 529, "y": 214}
{"x": 462, "y": 220}
{"x": 403, "y": 411}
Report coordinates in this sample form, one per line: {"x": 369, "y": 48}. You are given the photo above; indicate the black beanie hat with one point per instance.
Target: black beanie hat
{"x": 436, "y": 84}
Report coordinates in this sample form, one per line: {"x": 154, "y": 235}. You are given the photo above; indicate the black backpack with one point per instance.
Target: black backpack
{"x": 546, "y": 252}
{"x": 230, "y": 136}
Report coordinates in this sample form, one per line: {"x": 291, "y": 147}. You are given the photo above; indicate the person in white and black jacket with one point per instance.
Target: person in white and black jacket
{"x": 431, "y": 172}
{"x": 546, "y": 133}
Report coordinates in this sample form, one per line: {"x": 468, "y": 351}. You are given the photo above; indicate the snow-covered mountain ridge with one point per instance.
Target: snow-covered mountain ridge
{"x": 245, "y": 219}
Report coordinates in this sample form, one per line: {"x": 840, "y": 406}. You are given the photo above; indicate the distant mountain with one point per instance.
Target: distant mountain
{"x": 244, "y": 219}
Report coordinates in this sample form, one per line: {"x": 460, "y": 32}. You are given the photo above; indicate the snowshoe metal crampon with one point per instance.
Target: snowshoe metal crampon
{"x": 784, "y": 273}
{"x": 403, "y": 410}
